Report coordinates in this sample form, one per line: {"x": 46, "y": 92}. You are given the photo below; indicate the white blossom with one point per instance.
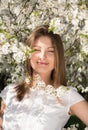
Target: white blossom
{"x": 19, "y": 56}
{"x": 2, "y": 38}
{"x": 5, "y": 48}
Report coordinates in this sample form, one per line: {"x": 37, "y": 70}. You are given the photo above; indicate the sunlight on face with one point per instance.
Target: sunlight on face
{"x": 43, "y": 57}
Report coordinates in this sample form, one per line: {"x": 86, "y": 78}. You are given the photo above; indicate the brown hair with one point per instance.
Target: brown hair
{"x": 58, "y": 75}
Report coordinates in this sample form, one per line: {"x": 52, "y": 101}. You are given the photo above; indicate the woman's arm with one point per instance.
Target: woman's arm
{"x": 1, "y": 119}
{"x": 2, "y": 108}
{"x": 81, "y": 111}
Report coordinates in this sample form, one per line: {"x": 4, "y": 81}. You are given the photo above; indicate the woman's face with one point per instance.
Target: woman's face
{"x": 43, "y": 58}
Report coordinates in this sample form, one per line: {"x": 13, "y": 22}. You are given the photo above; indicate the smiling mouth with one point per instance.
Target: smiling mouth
{"x": 42, "y": 63}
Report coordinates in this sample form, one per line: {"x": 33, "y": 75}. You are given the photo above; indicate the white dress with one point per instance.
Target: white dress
{"x": 44, "y": 109}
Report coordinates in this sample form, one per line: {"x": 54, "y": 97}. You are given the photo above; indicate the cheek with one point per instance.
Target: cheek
{"x": 54, "y": 63}
{"x": 33, "y": 57}
{"x": 52, "y": 60}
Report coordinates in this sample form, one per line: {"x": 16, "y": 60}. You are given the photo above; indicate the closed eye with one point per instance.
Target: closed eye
{"x": 51, "y": 51}
{"x": 37, "y": 50}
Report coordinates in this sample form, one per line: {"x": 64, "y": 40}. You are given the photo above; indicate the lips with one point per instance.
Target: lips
{"x": 42, "y": 63}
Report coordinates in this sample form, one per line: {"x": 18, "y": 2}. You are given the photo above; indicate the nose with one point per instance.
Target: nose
{"x": 42, "y": 55}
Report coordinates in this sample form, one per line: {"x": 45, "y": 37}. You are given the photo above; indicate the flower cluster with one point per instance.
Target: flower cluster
{"x": 12, "y": 59}
{"x": 74, "y": 127}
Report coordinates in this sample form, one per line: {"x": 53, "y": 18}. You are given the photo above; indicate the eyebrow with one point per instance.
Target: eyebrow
{"x": 40, "y": 47}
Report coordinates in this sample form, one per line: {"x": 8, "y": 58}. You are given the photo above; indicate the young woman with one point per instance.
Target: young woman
{"x": 43, "y": 101}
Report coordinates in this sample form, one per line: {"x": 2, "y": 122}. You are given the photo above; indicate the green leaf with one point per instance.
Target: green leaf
{"x": 84, "y": 35}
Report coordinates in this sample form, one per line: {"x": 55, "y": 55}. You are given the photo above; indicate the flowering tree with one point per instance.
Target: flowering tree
{"x": 69, "y": 18}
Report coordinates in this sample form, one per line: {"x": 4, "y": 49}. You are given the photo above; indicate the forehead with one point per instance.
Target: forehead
{"x": 43, "y": 40}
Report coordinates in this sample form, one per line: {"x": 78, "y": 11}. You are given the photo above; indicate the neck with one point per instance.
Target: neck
{"x": 44, "y": 77}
